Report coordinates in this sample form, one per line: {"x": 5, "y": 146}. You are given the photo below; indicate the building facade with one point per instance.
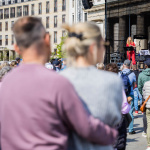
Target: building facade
{"x": 52, "y": 13}
{"x": 97, "y": 14}
{"x": 128, "y": 18}
{"x": 77, "y": 12}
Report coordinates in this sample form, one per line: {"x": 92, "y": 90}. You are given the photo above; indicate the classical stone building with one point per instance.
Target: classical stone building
{"x": 97, "y": 14}
{"x": 127, "y": 18}
{"x": 52, "y": 13}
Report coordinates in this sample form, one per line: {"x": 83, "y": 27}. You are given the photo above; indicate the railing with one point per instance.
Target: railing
{"x": 6, "y": 42}
{"x": 1, "y": 16}
{"x": 32, "y": 12}
{"x": 25, "y": 13}
{"x": 55, "y": 25}
{"x": 40, "y": 11}
{"x": 63, "y": 7}
{"x": 19, "y": 14}
{"x": 47, "y": 25}
{"x": 12, "y": 15}
{"x": 6, "y": 16}
{"x": 55, "y": 9}
{"x": 47, "y": 10}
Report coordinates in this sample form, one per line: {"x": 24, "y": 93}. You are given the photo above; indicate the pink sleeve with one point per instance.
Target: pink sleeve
{"x": 125, "y": 105}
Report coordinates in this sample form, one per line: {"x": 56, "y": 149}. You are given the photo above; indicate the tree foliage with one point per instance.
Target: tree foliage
{"x": 60, "y": 52}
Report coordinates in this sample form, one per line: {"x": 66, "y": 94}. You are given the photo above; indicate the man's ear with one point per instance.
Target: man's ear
{"x": 17, "y": 49}
{"x": 47, "y": 39}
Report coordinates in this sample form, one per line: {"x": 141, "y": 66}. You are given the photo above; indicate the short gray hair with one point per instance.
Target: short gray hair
{"x": 4, "y": 71}
{"x": 28, "y": 30}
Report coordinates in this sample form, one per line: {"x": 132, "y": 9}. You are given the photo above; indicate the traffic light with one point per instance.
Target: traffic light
{"x": 87, "y": 4}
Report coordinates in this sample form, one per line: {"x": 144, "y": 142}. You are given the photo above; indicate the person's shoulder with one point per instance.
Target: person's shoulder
{"x": 110, "y": 77}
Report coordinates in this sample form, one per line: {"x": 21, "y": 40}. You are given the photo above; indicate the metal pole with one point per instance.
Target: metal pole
{"x": 105, "y": 20}
{"x": 129, "y": 20}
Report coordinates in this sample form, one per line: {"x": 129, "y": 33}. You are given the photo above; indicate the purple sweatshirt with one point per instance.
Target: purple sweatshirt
{"x": 38, "y": 109}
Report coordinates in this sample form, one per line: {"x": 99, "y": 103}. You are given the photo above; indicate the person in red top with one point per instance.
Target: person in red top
{"x": 130, "y": 54}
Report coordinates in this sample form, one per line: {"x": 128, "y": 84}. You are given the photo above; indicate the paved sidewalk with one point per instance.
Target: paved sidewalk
{"x": 137, "y": 141}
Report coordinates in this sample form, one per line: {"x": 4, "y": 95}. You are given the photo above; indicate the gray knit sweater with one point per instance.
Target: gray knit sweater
{"x": 102, "y": 94}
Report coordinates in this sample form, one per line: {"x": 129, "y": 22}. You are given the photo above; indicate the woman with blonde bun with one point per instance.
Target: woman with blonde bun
{"x": 100, "y": 91}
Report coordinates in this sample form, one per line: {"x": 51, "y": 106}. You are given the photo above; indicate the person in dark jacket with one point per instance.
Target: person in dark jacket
{"x": 121, "y": 127}
{"x": 144, "y": 76}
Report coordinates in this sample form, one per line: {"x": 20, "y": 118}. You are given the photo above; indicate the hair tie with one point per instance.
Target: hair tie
{"x": 73, "y": 34}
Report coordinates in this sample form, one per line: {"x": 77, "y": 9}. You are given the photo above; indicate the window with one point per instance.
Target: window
{"x": 0, "y": 39}
{"x": 12, "y": 39}
{"x": 55, "y": 21}
{"x": 6, "y": 39}
{"x": 55, "y": 36}
{"x": 47, "y": 22}
{"x": 63, "y": 5}
{"x": 47, "y": 7}
{"x": 63, "y": 33}
{"x": 6, "y": 26}
{"x": 12, "y": 24}
{"x": 19, "y": 11}
{"x": 72, "y": 18}
{"x": 12, "y": 12}
{"x": 72, "y": 3}
{"x": 55, "y": 51}
{"x": 63, "y": 18}
{"x": 40, "y": 8}
{"x": 32, "y": 9}
{"x": 25, "y": 10}
{"x": 55, "y": 5}
{"x": 0, "y": 26}
{"x": 1, "y": 13}
{"x": 6, "y": 13}
{"x": 85, "y": 16}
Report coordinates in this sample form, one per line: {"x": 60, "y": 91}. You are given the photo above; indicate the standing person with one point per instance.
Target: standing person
{"x": 132, "y": 81}
{"x": 18, "y": 61}
{"x": 137, "y": 95}
{"x": 144, "y": 76}
{"x": 131, "y": 54}
{"x": 49, "y": 66}
{"x": 64, "y": 64}
{"x": 100, "y": 66}
{"x": 146, "y": 93}
{"x": 85, "y": 48}
{"x": 44, "y": 107}
{"x": 121, "y": 127}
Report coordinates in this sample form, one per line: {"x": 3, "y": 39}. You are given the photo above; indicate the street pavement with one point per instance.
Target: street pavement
{"x": 137, "y": 141}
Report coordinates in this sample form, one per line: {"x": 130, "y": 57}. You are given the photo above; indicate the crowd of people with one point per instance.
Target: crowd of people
{"x": 81, "y": 107}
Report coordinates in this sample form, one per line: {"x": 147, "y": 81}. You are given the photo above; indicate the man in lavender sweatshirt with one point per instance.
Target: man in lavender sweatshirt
{"x": 38, "y": 108}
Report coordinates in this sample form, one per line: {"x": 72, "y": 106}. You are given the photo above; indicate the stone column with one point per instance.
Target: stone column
{"x": 140, "y": 25}
{"x": 11, "y": 56}
{"x": 122, "y": 33}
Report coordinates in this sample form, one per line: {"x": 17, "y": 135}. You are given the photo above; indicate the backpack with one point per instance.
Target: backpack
{"x": 126, "y": 81}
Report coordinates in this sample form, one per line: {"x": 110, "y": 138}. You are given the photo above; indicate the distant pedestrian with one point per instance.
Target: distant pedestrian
{"x": 64, "y": 64}
{"x": 13, "y": 64}
{"x": 146, "y": 93}
{"x": 122, "y": 128}
{"x": 39, "y": 108}
{"x": 100, "y": 66}
{"x": 100, "y": 91}
{"x": 129, "y": 79}
{"x": 137, "y": 95}
{"x": 144, "y": 76}
{"x": 49, "y": 66}
{"x": 18, "y": 61}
